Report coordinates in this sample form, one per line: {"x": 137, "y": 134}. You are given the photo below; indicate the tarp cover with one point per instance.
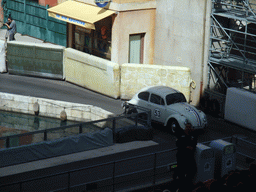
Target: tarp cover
{"x": 48, "y": 149}
{"x": 134, "y": 133}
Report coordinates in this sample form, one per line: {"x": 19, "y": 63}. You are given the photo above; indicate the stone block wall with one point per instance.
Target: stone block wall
{"x": 136, "y": 76}
{"x": 51, "y": 108}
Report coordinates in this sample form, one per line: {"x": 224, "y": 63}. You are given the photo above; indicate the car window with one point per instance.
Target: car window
{"x": 144, "y": 96}
{"x": 175, "y": 98}
{"x": 156, "y": 99}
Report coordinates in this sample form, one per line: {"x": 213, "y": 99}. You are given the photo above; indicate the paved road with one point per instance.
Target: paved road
{"x": 57, "y": 90}
{"x": 61, "y": 90}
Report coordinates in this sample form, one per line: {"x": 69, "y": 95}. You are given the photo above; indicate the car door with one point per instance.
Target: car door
{"x": 158, "y": 109}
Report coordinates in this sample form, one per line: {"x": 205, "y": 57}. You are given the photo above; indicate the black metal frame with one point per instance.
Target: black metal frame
{"x": 232, "y": 51}
{"x": 135, "y": 117}
{"x": 92, "y": 186}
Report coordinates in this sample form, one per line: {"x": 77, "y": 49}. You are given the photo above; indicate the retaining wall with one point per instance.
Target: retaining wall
{"x": 51, "y": 108}
{"x": 92, "y": 72}
{"x": 136, "y": 76}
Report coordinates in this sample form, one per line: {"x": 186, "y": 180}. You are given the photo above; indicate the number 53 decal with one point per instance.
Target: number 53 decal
{"x": 157, "y": 113}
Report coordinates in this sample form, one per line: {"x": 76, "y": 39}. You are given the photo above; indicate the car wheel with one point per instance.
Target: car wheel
{"x": 174, "y": 126}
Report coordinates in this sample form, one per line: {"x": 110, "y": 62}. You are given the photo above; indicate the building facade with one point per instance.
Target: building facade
{"x": 182, "y": 38}
{"x": 159, "y": 32}
{"x": 122, "y": 32}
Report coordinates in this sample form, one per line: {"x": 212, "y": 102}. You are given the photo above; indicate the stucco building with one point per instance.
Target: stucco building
{"x": 123, "y": 32}
{"x": 157, "y": 32}
{"x": 160, "y": 32}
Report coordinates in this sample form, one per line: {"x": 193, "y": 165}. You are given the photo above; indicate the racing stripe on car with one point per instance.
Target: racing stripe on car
{"x": 195, "y": 113}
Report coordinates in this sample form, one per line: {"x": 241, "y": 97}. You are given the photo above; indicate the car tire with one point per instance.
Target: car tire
{"x": 174, "y": 126}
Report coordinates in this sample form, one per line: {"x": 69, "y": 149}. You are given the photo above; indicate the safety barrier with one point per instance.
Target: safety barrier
{"x": 36, "y": 59}
{"x": 92, "y": 72}
{"x": 151, "y": 169}
{"x": 114, "y": 175}
{"x": 113, "y": 123}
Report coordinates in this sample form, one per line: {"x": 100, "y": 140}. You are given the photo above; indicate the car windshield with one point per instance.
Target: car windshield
{"x": 175, "y": 98}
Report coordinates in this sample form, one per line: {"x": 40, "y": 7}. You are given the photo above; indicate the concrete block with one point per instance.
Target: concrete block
{"x": 92, "y": 72}
{"x": 51, "y": 110}
{"x": 86, "y": 115}
{"x": 20, "y": 105}
{"x": 31, "y": 107}
{"x": 42, "y": 109}
{"x": 6, "y": 96}
{"x": 58, "y": 110}
{"x": 68, "y": 112}
{"x": 21, "y": 98}
{"x": 76, "y": 113}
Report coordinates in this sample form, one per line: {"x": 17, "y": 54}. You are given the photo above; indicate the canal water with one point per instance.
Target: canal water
{"x": 12, "y": 123}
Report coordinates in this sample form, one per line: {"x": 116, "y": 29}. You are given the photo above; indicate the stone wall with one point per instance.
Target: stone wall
{"x": 51, "y": 108}
{"x": 136, "y": 76}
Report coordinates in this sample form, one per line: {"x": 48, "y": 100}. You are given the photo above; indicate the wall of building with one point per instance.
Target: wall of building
{"x": 51, "y": 3}
{"x": 133, "y": 22}
{"x": 182, "y": 38}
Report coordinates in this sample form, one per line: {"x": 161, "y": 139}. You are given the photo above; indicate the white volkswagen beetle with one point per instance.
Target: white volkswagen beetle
{"x": 168, "y": 107}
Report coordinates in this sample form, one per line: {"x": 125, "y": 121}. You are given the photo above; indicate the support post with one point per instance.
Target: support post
{"x": 45, "y": 135}
{"x": 114, "y": 130}
{"x": 46, "y": 25}
{"x": 7, "y": 142}
{"x": 25, "y": 18}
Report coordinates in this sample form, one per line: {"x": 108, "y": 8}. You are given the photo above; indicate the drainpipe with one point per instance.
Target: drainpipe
{"x": 203, "y": 51}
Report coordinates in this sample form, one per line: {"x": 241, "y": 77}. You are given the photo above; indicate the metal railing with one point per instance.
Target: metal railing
{"x": 116, "y": 123}
{"x": 118, "y": 176}
{"x": 150, "y": 169}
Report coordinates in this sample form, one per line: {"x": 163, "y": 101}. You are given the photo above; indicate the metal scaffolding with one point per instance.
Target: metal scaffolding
{"x": 232, "y": 52}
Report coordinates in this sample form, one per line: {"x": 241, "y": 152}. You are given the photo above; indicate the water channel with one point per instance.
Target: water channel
{"x": 12, "y": 123}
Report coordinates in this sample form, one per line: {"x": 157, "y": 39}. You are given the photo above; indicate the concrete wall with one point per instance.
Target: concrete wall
{"x": 136, "y": 76}
{"x": 51, "y": 108}
{"x": 92, "y": 72}
{"x": 182, "y": 37}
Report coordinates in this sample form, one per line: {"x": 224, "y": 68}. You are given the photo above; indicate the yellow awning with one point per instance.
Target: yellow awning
{"x": 79, "y": 13}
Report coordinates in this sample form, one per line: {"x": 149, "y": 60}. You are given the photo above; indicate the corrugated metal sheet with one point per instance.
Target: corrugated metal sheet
{"x": 32, "y": 19}
{"x": 35, "y": 59}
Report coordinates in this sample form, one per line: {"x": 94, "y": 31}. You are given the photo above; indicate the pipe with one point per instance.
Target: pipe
{"x": 203, "y": 51}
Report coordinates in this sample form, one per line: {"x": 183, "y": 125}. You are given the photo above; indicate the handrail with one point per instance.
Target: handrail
{"x": 78, "y": 125}
{"x": 92, "y": 166}
{"x": 114, "y": 163}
